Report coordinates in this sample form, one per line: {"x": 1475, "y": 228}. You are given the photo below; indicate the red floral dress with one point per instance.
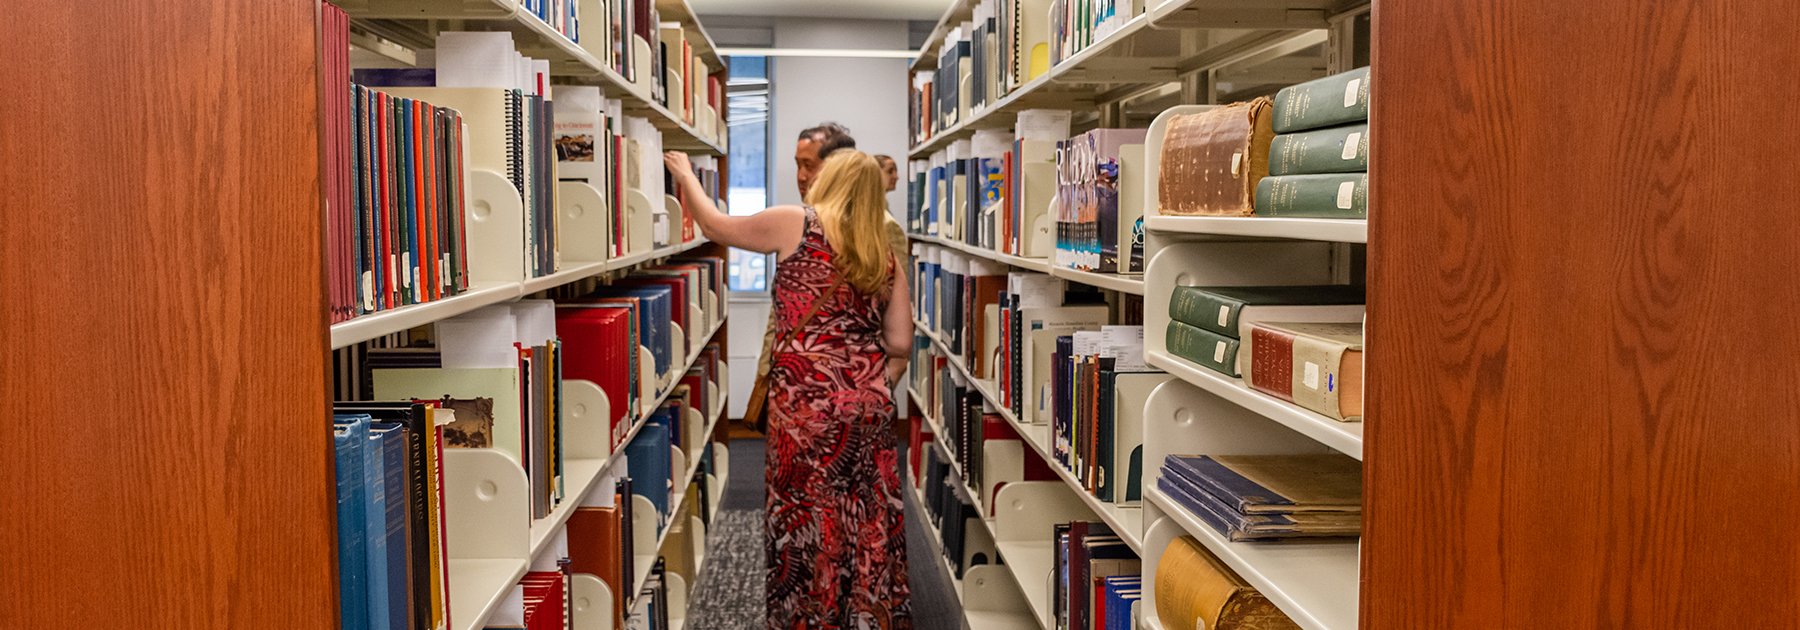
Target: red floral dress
{"x": 834, "y": 533}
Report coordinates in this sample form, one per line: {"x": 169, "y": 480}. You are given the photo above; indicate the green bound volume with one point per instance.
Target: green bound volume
{"x": 1333, "y": 100}
{"x": 1333, "y": 196}
{"x": 1331, "y": 150}
{"x": 1221, "y": 310}
{"x": 1204, "y": 347}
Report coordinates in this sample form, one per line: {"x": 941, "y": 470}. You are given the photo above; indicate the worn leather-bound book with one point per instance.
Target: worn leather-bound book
{"x": 1211, "y": 161}
{"x": 1195, "y": 590}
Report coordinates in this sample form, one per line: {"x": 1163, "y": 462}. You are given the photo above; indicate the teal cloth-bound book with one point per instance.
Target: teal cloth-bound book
{"x": 392, "y": 438}
{"x": 351, "y": 437}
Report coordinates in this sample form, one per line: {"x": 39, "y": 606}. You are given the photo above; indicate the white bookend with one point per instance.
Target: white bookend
{"x": 585, "y": 225}
{"x": 587, "y": 427}
{"x": 592, "y": 603}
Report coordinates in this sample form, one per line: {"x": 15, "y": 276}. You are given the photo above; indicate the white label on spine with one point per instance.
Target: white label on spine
{"x": 1350, "y": 92}
{"x": 1311, "y": 377}
{"x": 368, "y": 290}
{"x": 1346, "y": 191}
{"x": 1219, "y": 352}
{"x": 1224, "y": 314}
{"x": 1352, "y": 142}
{"x": 1236, "y": 160}
{"x": 406, "y": 270}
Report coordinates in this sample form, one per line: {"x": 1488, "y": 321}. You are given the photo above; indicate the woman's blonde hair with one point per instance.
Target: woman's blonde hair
{"x": 852, "y": 205}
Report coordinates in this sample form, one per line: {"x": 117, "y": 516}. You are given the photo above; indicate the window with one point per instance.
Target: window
{"x": 747, "y": 101}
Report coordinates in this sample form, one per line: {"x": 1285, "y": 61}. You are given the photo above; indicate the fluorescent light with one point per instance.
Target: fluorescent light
{"x": 818, "y": 52}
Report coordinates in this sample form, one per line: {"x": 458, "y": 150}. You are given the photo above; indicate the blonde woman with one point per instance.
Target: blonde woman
{"x": 833, "y": 530}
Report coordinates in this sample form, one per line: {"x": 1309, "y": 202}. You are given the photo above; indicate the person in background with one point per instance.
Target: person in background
{"x": 834, "y": 530}
{"x": 890, "y": 172}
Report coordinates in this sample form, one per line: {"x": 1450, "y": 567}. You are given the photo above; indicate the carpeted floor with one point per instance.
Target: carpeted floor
{"x": 729, "y": 593}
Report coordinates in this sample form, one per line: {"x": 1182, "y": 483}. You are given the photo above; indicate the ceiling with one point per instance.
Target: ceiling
{"x": 861, "y": 9}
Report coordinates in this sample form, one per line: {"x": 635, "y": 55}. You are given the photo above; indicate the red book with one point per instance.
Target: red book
{"x": 598, "y": 344}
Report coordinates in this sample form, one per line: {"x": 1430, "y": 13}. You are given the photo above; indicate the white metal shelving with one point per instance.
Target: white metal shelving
{"x": 1127, "y": 522}
{"x": 1314, "y": 583}
{"x": 415, "y": 22}
{"x": 1332, "y": 230}
{"x": 394, "y": 320}
{"x": 1344, "y": 437}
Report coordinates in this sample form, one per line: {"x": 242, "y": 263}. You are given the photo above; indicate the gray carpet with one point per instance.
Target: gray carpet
{"x": 729, "y": 593}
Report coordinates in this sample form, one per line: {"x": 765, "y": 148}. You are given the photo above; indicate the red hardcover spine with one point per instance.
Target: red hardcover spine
{"x": 1271, "y": 363}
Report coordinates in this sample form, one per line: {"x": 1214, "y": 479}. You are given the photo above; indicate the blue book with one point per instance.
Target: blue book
{"x": 392, "y": 437}
{"x": 351, "y": 436}
{"x": 647, "y": 461}
{"x": 374, "y": 509}
{"x": 657, "y": 309}
{"x": 410, "y": 269}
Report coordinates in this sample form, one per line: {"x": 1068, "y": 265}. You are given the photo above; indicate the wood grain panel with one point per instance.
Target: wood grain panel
{"x": 162, "y": 330}
{"x": 1584, "y": 274}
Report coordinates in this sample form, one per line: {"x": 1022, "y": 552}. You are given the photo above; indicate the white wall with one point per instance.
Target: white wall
{"x": 866, "y": 95}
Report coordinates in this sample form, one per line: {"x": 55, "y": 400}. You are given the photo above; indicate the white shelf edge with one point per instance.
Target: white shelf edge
{"x": 1344, "y": 437}
{"x": 1032, "y": 264}
{"x": 1330, "y": 230}
{"x": 393, "y": 320}
{"x": 485, "y": 582}
{"x": 1108, "y": 513}
{"x": 1297, "y": 578}
{"x": 1124, "y": 283}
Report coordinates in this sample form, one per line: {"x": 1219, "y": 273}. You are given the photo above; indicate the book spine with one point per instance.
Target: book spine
{"x": 1271, "y": 363}
{"x": 375, "y": 521}
{"x": 353, "y": 597}
{"x": 1334, "y": 100}
{"x": 394, "y": 455}
{"x": 1330, "y": 196}
{"x": 1333, "y": 150}
{"x": 1204, "y": 347}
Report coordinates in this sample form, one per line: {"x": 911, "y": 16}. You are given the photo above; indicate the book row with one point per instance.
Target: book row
{"x": 1079, "y": 200}
{"x": 394, "y": 192}
{"x": 1303, "y": 154}
{"x": 1004, "y": 45}
{"x": 406, "y": 142}
{"x": 1301, "y": 344}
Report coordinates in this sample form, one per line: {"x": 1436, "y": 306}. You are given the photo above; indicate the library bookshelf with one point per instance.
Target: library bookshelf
{"x": 213, "y": 260}
{"x": 1479, "y": 300}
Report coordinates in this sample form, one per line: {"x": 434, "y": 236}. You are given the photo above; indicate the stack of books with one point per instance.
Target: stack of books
{"x": 1318, "y": 165}
{"x": 1099, "y": 383}
{"x": 1268, "y": 497}
{"x": 1206, "y": 324}
{"x": 1117, "y": 607}
{"x": 601, "y": 539}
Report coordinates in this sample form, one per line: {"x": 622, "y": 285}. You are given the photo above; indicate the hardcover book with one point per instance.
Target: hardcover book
{"x": 1212, "y": 161}
{"x": 1226, "y": 310}
{"x": 1196, "y": 590}
{"x": 1334, "y": 100}
{"x": 1327, "y": 196}
{"x": 1318, "y": 366}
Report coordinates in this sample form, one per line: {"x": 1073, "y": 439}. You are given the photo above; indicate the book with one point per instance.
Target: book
{"x": 390, "y": 437}
{"x": 1196, "y": 590}
{"x": 1318, "y": 366}
{"x": 1121, "y": 462}
{"x": 1324, "y": 196}
{"x": 1213, "y": 161}
{"x": 1236, "y": 526}
{"x": 351, "y": 439}
{"x": 1276, "y": 483}
{"x": 1226, "y": 310}
{"x": 1334, "y": 100}
{"x": 1342, "y": 149}
{"x": 420, "y": 438}
{"x": 1091, "y": 184}
{"x": 1207, "y": 348}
